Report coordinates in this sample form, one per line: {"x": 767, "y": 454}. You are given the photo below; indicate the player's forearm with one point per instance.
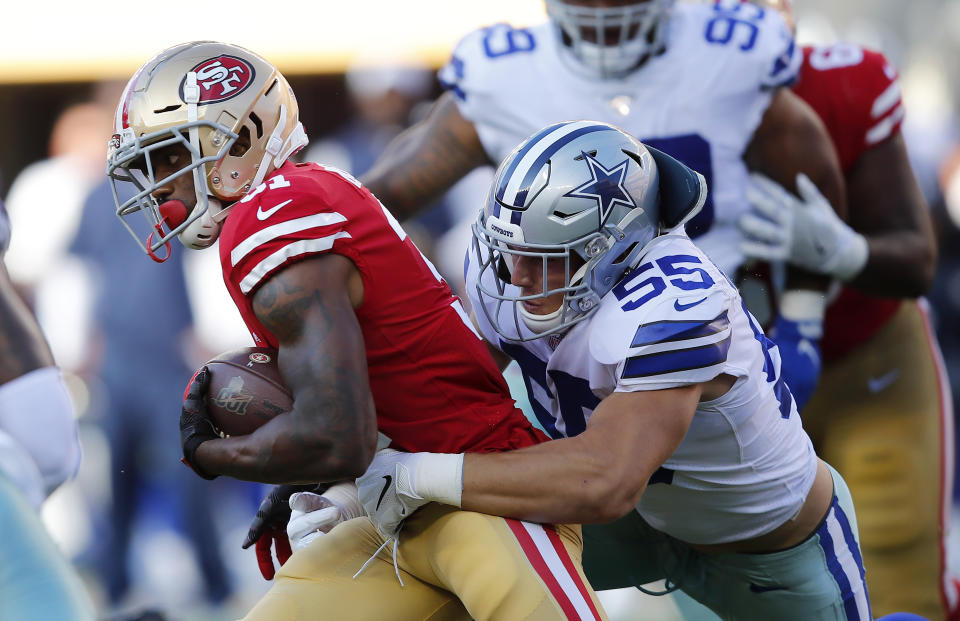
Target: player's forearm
{"x": 557, "y": 482}
{"x": 887, "y": 207}
{"x": 425, "y": 161}
{"x": 900, "y": 264}
{"x": 289, "y": 449}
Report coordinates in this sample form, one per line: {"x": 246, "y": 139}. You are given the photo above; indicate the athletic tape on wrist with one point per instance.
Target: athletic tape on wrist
{"x": 439, "y": 477}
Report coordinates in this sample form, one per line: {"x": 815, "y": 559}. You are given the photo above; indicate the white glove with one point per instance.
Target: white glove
{"x": 389, "y": 487}
{"x": 803, "y": 231}
{"x": 312, "y": 515}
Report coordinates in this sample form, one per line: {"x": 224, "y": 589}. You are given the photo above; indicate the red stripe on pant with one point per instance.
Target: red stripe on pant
{"x": 536, "y": 559}
{"x": 947, "y": 582}
{"x": 554, "y": 537}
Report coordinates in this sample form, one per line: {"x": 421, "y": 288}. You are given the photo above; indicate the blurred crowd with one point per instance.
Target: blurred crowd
{"x": 144, "y": 532}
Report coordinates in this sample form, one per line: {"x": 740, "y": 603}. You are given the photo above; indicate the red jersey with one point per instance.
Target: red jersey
{"x": 856, "y": 94}
{"x": 434, "y": 385}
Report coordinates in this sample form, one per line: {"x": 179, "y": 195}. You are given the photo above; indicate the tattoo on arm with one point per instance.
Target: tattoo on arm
{"x": 426, "y": 160}
{"x": 323, "y": 362}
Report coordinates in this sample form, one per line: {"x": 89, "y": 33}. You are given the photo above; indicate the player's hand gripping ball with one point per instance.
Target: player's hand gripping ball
{"x": 245, "y": 390}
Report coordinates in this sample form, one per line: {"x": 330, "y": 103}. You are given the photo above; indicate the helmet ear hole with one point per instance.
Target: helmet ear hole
{"x": 242, "y": 143}
{"x": 258, "y": 124}
{"x": 623, "y": 255}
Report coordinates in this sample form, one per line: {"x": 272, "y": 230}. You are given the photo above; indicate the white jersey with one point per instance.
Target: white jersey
{"x": 699, "y": 101}
{"x": 745, "y": 465}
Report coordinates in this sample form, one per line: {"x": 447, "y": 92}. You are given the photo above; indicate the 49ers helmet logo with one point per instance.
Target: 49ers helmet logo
{"x": 221, "y": 78}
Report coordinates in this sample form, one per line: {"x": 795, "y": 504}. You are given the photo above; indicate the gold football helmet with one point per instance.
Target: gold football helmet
{"x": 233, "y": 111}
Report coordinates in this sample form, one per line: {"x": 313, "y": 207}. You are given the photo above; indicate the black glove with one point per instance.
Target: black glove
{"x": 269, "y": 527}
{"x": 195, "y": 425}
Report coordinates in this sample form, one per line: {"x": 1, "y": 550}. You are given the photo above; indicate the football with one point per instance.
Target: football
{"x": 245, "y": 390}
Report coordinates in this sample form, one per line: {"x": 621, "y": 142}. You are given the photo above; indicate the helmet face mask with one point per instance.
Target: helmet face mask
{"x": 134, "y": 164}
{"x": 234, "y": 113}
{"x": 578, "y": 199}
{"x": 610, "y": 41}
{"x": 562, "y": 303}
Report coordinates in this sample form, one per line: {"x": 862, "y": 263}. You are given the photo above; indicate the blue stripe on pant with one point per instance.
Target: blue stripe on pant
{"x": 842, "y": 554}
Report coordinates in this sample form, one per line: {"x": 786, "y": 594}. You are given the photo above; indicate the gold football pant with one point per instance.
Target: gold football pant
{"x": 882, "y": 416}
{"x": 454, "y": 565}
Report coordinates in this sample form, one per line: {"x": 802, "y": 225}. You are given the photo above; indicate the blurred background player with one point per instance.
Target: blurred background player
{"x": 369, "y": 338}
{"x": 700, "y": 82}
{"x": 883, "y": 412}
{"x": 39, "y": 450}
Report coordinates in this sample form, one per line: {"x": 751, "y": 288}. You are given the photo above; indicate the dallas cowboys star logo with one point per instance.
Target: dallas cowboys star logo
{"x": 606, "y": 186}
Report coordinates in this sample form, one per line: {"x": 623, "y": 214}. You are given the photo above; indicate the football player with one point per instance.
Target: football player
{"x": 700, "y": 82}
{"x": 369, "y": 337}
{"x": 665, "y": 395}
{"x": 883, "y": 413}
{"x": 39, "y": 450}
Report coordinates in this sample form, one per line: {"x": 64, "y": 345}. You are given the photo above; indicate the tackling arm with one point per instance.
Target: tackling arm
{"x": 426, "y": 160}
{"x": 596, "y": 476}
{"x": 888, "y": 208}
{"x": 331, "y": 432}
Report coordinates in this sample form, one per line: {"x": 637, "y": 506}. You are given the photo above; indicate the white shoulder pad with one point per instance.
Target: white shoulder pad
{"x": 747, "y": 45}
{"x": 667, "y": 323}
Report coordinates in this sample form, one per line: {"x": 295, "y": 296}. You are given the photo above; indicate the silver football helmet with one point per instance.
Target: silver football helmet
{"x": 205, "y": 96}
{"x": 610, "y": 41}
{"x": 584, "y": 193}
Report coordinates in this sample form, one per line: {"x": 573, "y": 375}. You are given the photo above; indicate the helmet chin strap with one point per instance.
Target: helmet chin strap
{"x": 539, "y": 324}
{"x": 204, "y": 230}
{"x": 191, "y": 95}
{"x": 279, "y": 150}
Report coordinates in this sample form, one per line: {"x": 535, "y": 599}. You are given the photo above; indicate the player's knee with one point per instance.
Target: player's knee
{"x": 509, "y": 595}
{"x": 885, "y": 482}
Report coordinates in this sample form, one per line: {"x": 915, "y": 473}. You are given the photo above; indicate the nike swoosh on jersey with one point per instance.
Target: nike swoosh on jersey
{"x": 263, "y": 215}
{"x": 876, "y": 384}
{"x": 383, "y": 492}
{"x": 682, "y": 307}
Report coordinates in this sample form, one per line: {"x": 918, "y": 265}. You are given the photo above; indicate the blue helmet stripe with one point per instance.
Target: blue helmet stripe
{"x": 546, "y": 155}
{"x": 531, "y": 143}
{"x": 573, "y": 131}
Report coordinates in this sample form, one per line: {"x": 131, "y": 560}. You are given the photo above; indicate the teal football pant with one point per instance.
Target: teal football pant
{"x": 36, "y": 581}
{"x": 819, "y": 579}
